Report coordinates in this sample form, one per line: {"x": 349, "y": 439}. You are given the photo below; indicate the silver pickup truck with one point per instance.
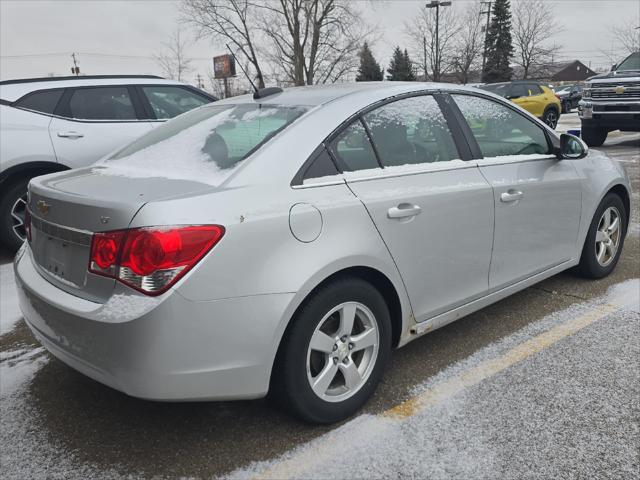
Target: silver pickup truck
{"x": 611, "y": 102}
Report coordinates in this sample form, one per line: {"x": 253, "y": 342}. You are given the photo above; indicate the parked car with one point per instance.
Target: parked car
{"x": 611, "y": 102}
{"x": 284, "y": 243}
{"x": 570, "y": 96}
{"x": 537, "y": 99}
{"x": 53, "y": 124}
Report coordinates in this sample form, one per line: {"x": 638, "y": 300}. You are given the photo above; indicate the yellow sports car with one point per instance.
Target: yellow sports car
{"x": 537, "y": 99}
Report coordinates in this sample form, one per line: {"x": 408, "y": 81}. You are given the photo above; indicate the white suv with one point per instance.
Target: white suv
{"x": 53, "y": 124}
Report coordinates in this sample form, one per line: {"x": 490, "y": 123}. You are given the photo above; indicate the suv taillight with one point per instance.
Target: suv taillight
{"x": 151, "y": 259}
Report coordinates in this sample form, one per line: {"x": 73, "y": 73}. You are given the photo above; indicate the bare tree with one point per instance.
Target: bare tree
{"x": 313, "y": 41}
{"x": 627, "y": 35}
{"x": 469, "y": 43}
{"x": 173, "y": 59}
{"x": 422, "y": 35}
{"x": 533, "y": 26}
{"x": 228, "y": 21}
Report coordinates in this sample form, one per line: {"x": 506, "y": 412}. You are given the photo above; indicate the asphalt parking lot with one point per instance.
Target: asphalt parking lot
{"x": 545, "y": 383}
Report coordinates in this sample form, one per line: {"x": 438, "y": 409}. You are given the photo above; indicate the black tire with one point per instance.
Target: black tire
{"x": 290, "y": 385}
{"x": 589, "y": 266}
{"x": 594, "y": 137}
{"x": 14, "y": 191}
{"x": 551, "y": 117}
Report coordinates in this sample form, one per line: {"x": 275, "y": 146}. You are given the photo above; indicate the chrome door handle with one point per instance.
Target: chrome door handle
{"x": 511, "y": 196}
{"x": 404, "y": 210}
{"x": 70, "y": 134}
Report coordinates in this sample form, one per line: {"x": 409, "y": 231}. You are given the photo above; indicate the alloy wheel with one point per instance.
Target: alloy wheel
{"x": 342, "y": 352}
{"x": 17, "y": 217}
{"x": 551, "y": 119}
{"x": 608, "y": 236}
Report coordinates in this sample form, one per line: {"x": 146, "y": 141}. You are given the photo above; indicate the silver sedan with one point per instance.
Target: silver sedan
{"x": 284, "y": 243}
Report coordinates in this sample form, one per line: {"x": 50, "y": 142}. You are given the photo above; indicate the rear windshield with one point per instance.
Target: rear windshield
{"x": 498, "y": 88}
{"x": 212, "y": 139}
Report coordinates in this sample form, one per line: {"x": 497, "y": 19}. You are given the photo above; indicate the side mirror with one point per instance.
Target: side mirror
{"x": 513, "y": 97}
{"x": 613, "y": 67}
{"x": 571, "y": 148}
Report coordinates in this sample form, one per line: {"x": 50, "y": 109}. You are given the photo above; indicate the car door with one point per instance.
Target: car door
{"x": 91, "y": 122}
{"x": 433, "y": 210}
{"x": 537, "y": 197}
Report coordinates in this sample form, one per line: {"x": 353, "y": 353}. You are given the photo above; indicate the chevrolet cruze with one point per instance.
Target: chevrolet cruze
{"x": 285, "y": 242}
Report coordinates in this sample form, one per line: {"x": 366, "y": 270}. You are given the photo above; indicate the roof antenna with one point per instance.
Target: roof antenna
{"x": 253, "y": 85}
{"x": 257, "y": 93}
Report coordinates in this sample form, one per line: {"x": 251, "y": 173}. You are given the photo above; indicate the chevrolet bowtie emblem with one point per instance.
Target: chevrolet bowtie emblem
{"x": 619, "y": 89}
{"x": 43, "y": 207}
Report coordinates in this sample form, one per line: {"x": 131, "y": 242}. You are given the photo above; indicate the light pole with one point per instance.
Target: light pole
{"x": 486, "y": 33}
{"x": 437, "y": 4}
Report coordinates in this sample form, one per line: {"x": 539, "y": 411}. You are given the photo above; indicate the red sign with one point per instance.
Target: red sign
{"x": 224, "y": 66}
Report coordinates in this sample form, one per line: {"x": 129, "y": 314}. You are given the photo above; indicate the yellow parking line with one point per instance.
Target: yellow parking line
{"x": 449, "y": 388}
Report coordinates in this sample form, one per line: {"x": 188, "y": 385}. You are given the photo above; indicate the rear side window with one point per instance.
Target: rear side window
{"x": 534, "y": 89}
{"x": 518, "y": 90}
{"x": 101, "y": 103}
{"x": 410, "y": 131}
{"x": 353, "y": 149}
{"x": 499, "y": 130}
{"x": 44, "y": 101}
{"x": 207, "y": 140}
{"x": 168, "y": 102}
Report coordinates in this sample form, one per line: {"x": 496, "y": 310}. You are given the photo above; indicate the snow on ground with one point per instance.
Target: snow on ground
{"x": 9, "y": 311}
{"x": 562, "y": 412}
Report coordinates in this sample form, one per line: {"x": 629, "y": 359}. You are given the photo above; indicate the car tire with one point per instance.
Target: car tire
{"x": 550, "y": 117}
{"x": 598, "y": 260}
{"x": 298, "y": 365}
{"x": 594, "y": 137}
{"x": 12, "y": 206}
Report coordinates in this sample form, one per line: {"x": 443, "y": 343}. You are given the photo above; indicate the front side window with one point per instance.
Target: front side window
{"x": 101, "y": 103}
{"x": 411, "y": 131}
{"x": 205, "y": 142}
{"x": 169, "y": 101}
{"x": 353, "y": 149}
{"x": 500, "y": 130}
{"x": 44, "y": 101}
{"x": 518, "y": 90}
{"x": 534, "y": 89}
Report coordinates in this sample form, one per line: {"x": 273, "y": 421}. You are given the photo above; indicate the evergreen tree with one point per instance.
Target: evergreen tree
{"x": 369, "y": 69}
{"x": 499, "y": 44}
{"x": 401, "y": 67}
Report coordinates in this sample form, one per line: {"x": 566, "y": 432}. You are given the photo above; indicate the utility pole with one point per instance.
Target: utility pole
{"x": 424, "y": 56}
{"x": 200, "y": 81}
{"x": 486, "y": 33}
{"x": 75, "y": 69}
{"x": 437, "y": 4}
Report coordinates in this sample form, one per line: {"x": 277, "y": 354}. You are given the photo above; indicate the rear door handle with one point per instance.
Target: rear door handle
{"x": 511, "y": 196}
{"x": 70, "y": 134}
{"x": 404, "y": 210}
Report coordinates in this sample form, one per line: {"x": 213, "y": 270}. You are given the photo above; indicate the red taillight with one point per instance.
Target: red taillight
{"x": 151, "y": 259}
{"x": 27, "y": 223}
{"x": 104, "y": 252}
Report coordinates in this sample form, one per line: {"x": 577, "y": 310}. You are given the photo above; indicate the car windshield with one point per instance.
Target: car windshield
{"x": 498, "y": 88}
{"x": 632, "y": 62}
{"x": 204, "y": 144}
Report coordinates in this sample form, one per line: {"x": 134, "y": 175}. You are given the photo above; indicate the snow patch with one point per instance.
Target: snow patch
{"x": 122, "y": 307}
{"x": 10, "y": 313}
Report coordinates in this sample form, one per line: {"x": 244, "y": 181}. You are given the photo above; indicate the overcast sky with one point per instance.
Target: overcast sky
{"x": 37, "y": 37}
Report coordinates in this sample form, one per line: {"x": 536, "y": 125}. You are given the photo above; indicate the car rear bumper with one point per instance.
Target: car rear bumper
{"x": 164, "y": 348}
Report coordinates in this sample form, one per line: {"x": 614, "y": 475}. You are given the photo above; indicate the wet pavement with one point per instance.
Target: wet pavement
{"x": 575, "y": 394}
